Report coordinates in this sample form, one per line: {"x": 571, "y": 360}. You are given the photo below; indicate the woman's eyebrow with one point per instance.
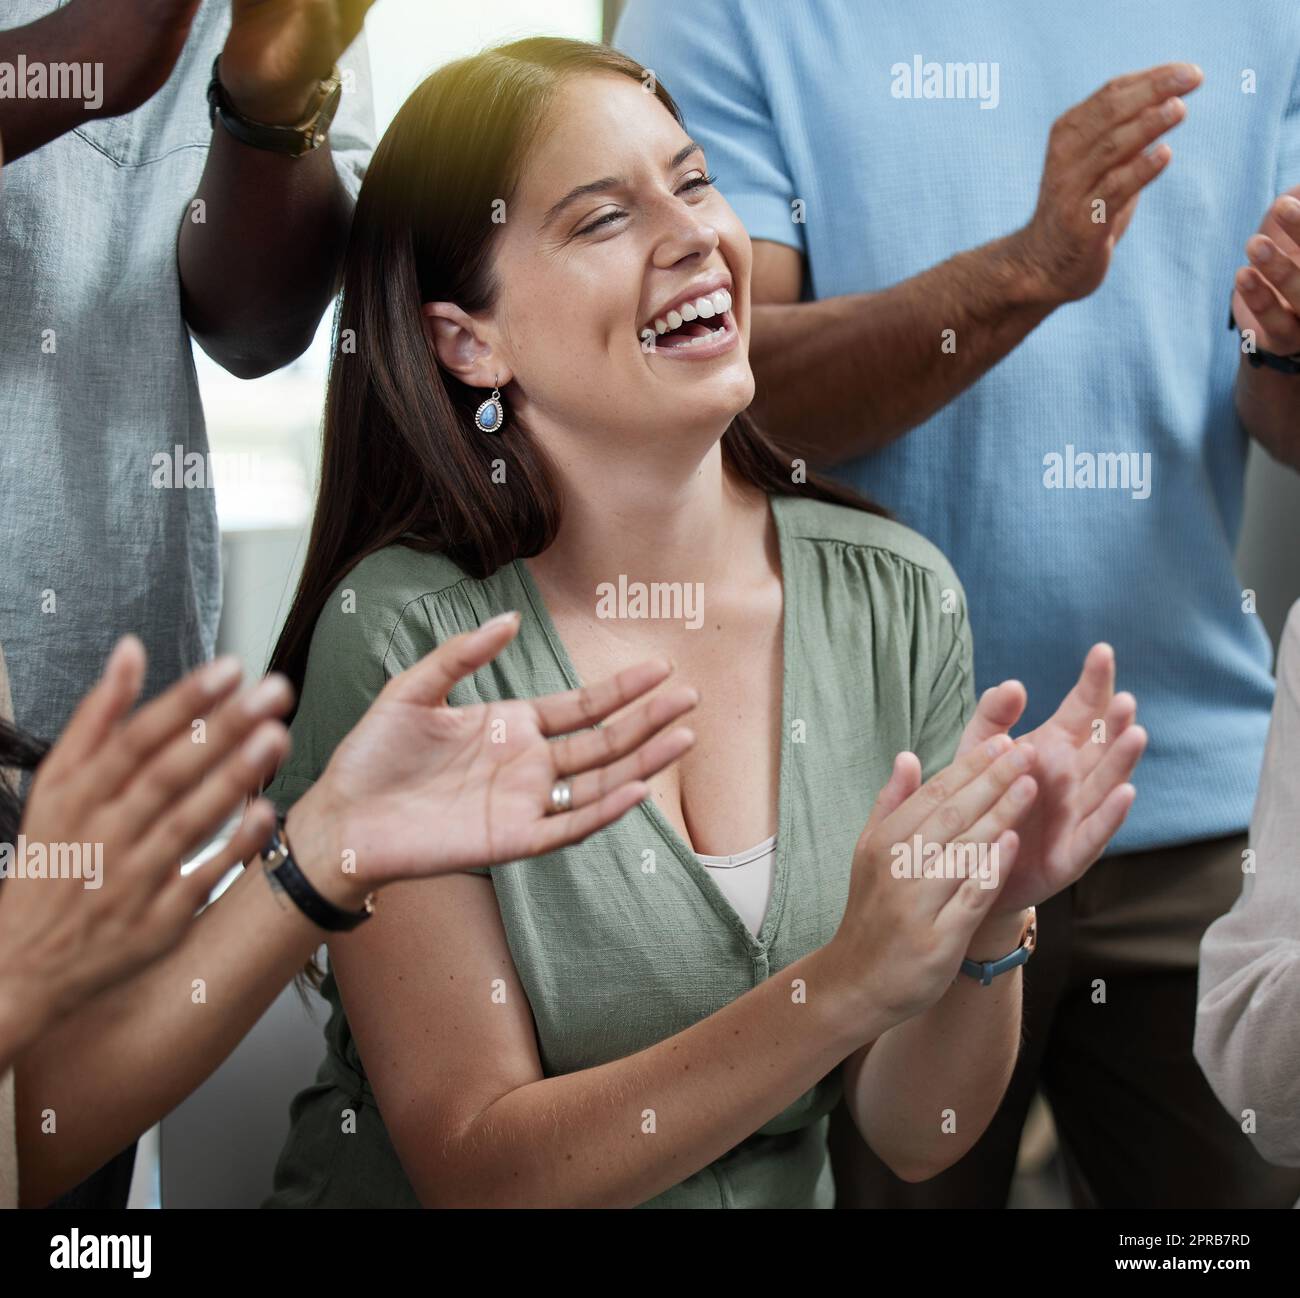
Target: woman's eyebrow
{"x": 580, "y": 191}
{"x": 606, "y": 183}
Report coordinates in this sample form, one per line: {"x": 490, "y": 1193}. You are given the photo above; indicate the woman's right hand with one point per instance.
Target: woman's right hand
{"x": 420, "y": 787}
{"x": 902, "y": 939}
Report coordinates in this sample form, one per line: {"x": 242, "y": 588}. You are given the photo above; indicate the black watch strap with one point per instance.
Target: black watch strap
{"x": 286, "y": 872}
{"x": 1258, "y": 358}
{"x": 293, "y": 141}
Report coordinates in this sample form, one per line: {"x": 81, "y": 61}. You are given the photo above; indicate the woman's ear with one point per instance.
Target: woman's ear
{"x": 463, "y": 346}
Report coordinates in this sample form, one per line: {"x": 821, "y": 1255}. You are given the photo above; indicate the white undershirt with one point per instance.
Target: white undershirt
{"x": 746, "y": 880}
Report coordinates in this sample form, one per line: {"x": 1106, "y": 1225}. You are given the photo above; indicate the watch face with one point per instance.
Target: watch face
{"x": 330, "y": 107}
{"x": 1029, "y": 939}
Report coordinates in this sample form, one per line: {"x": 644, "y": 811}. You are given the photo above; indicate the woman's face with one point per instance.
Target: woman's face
{"x": 623, "y": 276}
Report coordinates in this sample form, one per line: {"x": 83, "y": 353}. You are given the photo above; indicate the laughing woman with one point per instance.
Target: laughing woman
{"x": 538, "y": 398}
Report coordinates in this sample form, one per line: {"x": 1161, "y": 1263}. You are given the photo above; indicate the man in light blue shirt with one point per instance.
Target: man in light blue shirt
{"x": 1054, "y": 407}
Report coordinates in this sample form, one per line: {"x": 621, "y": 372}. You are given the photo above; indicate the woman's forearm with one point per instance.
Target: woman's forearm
{"x": 150, "y": 1042}
{"x": 621, "y": 1133}
{"x": 925, "y": 1092}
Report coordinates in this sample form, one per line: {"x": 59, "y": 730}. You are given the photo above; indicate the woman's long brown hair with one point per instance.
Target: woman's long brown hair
{"x": 402, "y": 459}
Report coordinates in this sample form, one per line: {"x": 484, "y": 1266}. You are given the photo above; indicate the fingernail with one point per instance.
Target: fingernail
{"x": 995, "y": 745}
{"x": 1184, "y": 76}
{"x": 1290, "y": 208}
{"x": 219, "y": 673}
{"x": 501, "y": 619}
{"x": 1022, "y": 789}
{"x": 1263, "y": 252}
{"x": 115, "y": 656}
{"x": 1020, "y": 758}
{"x": 260, "y": 745}
{"x": 264, "y": 695}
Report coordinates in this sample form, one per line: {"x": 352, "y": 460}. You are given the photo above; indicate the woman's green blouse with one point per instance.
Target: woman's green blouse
{"x": 624, "y": 940}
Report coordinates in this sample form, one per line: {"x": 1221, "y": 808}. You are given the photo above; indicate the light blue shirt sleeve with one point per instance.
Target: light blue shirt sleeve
{"x": 701, "y": 54}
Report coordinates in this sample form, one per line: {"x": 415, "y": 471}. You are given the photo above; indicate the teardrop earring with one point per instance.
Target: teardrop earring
{"x": 490, "y": 417}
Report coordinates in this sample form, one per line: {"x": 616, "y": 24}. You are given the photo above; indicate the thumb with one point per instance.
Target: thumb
{"x": 999, "y": 708}
{"x": 431, "y": 679}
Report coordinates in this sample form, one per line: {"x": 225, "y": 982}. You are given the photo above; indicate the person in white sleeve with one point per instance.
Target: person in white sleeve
{"x": 1248, "y": 996}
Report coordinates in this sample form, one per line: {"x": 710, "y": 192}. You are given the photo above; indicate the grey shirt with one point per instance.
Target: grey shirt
{"x": 1248, "y": 1016}
{"x": 97, "y": 378}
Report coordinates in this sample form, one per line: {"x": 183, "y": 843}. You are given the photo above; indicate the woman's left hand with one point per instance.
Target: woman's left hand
{"x": 1086, "y": 751}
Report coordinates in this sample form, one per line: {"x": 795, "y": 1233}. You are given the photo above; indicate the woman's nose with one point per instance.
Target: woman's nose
{"x": 684, "y": 235}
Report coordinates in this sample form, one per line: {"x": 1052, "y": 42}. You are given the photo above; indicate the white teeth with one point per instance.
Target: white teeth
{"x": 701, "y": 308}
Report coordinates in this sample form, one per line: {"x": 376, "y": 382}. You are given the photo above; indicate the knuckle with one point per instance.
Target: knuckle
{"x": 588, "y": 707}
{"x": 971, "y": 896}
{"x": 936, "y": 792}
{"x": 174, "y": 834}
{"x": 170, "y": 778}
{"x": 1154, "y": 118}
{"x": 949, "y": 820}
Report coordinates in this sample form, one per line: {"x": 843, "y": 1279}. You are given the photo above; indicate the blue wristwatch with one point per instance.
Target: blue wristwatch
{"x": 986, "y": 971}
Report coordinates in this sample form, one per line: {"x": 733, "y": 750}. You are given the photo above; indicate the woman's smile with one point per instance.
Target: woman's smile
{"x": 696, "y": 325}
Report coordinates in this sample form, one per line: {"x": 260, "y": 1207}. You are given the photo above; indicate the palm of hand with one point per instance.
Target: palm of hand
{"x": 474, "y": 778}
{"x": 1050, "y": 857}
{"x": 1084, "y": 754}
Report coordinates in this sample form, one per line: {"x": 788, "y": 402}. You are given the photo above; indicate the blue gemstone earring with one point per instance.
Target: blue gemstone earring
{"x": 491, "y": 415}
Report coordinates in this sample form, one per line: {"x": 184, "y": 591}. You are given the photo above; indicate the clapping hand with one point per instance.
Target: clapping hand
{"x": 1085, "y": 752}
{"x": 420, "y": 788}
{"x": 1267, "y": 292}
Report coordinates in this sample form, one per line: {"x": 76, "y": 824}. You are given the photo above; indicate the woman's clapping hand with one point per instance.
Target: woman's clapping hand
{"x": 422, "y": 788}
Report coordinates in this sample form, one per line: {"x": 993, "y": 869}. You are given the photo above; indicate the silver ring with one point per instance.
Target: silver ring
{"x": 561, "y": 796}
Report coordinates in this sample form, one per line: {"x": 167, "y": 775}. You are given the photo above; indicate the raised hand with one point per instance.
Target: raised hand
{"x": 135, "y": 46}
{"x": 906, "y": 936}
{"x": 1099, "y": 152}
{"x": 1086, "y": 752}
{"x": 1267, "y": 292}
{"x": 421, "y": 788}
{"x": 135, "y": 795}
{"x": 279, "y": 51}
